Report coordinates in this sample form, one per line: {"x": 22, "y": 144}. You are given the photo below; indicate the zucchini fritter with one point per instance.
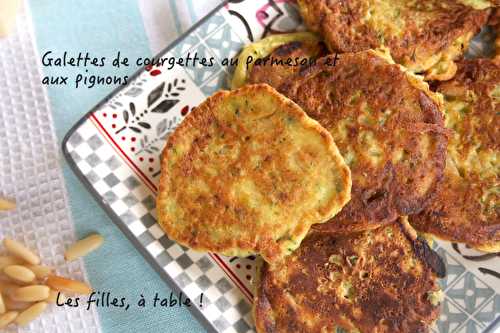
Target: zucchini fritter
{"x": 467, "y": 206}
{"x": 249, "y": 172}
{"x": 375, "y": 281}
{"x": 421, "y": 34}
{"x": 276, "y": 73}
{"x": 389, "y": 128}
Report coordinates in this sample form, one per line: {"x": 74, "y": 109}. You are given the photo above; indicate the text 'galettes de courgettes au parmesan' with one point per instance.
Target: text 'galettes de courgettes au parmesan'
{"x": 389, "y": 128}
{"x": 467, "y": 206}
{"x": 382, "y": 280}
{"x": 249, "y": 172}
{"x": 423, "y": 35}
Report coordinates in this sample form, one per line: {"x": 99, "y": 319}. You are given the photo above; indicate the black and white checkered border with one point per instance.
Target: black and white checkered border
{"x": 133, "y": 203}
{"x": 224, "y": 306}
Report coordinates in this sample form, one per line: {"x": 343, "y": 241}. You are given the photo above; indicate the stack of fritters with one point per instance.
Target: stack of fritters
{"x": 390, "y": 130}
{"x": 428, "y": 154}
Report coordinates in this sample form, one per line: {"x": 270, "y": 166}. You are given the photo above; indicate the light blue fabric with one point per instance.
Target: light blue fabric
{"x": 173, "y": 6}
{"x": 102, "y": 28}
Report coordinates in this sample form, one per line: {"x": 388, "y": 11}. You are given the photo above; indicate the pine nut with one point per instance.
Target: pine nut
{"x": 2, "y": 305}
{"x": 53, "y": 296}
{"x": 7, "y": 318}
{"x": 15, "y": 305}
{"x": 83, "y": 247}
{"x": 67, "y": 285}
{"x": 8, "y": 289}
{"x": 8, "y": 260}
{"x": 7, "y": 204}
{"x": 19, "y": 250}
{"x": 31, "y": 293}
{"x": 19, "y": 273}
{"x": 31, "y": 313}
{"x": 41, "y": 272}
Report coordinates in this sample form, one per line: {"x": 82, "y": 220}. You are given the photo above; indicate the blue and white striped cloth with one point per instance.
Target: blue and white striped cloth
{"x": 164, "y": 20}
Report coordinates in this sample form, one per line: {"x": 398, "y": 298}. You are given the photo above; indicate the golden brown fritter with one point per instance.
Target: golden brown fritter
{"x": 466, "y": 208}
{"x": 388, "y": 127}
{"x": 275, "y": 71}
{"x": 375, "y": 281}
{"x": 249, "y": 172}
{"x": 420, "y": 33}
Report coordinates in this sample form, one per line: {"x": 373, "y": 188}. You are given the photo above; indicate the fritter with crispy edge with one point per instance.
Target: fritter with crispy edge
{"x": 383, "y": 280}
{"x": 389, "y": 128}
{"x": 423, "y": 35}
{"x": 249, "y": 172}
{"x": 275, "y": 71}
{"x": 467, "y": 206}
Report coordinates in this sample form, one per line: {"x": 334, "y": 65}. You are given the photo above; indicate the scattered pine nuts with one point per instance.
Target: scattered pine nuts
{"x": 67, "y": 285}
{"x": 26, "y": 287}
{"x": 33, "y": 293}
{"x": 8, "y": 318}
{"x": 19, "y": 273}
{"x": 2, "y": 305}
{"x": 19, "y": 250}
{"x": 83, "y": 247}
{"x": 30, "y": 314}
{"x": 41, "y": 272}
{"x": 7, "y": 204}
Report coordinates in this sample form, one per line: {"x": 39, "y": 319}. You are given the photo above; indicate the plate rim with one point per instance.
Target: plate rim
{"x": 196, "y": 312}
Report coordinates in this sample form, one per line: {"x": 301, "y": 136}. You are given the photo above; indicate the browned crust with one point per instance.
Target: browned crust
{"x": 298, "y": 295}
{"x": 457, "y": 213}
{"x": 217, "y": 222}
{"x": 390, "y": 189}
{"x": 340, "y": 22}
{"x": 494, "y": 22}
{"x": 276, "y": 75}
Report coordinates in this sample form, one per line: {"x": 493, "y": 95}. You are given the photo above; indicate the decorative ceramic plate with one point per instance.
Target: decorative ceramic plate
{"x": 115, "y": 151}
